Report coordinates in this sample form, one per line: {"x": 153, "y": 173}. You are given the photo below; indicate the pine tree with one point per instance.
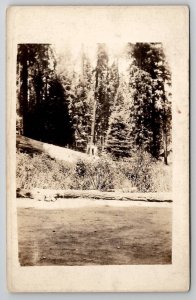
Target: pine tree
{"x": 81, "y": 104}
{"x": 35, "y": 65}
{"x": 119, "y": 141}
{"x": 106, "y": 85}
{"x": 41, "y": 98}
{"x": 151, "y": 113}
{"x": 101, "y": 99}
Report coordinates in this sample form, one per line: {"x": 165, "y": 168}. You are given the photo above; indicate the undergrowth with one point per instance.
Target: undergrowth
{"x": 139, "y": 171}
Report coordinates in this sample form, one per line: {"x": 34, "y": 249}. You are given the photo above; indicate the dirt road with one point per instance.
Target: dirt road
{"x": 95, "y": 235}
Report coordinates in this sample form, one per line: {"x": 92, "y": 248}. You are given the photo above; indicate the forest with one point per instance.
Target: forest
{"x": 97, "y": 101}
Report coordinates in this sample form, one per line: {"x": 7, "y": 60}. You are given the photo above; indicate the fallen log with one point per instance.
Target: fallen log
{"x": 52, "y": 195}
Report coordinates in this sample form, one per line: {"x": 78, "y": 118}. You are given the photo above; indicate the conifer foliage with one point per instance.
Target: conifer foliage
{"x": 150, "y": 80}
{"x": 119, "y": 140}
{"x": 120, "y": 102}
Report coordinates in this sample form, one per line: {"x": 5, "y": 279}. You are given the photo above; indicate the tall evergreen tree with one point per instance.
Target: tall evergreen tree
{"x": 35, "y": 66}
{"x": 101, "y": 99}
{"x": 81, "y": 104}
{"x": 151, "y": 112}
{"x": 106, "y": 85}
{"x": 118, "y": 140}
{"x": 41, "y": 99}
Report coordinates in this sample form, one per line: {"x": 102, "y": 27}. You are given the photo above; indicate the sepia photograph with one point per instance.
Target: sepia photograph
{"x": 96, "y": 150}
{"x": 93, "y": 131}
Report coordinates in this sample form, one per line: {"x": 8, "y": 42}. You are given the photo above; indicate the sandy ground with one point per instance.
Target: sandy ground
{"x": 94, "y": 232}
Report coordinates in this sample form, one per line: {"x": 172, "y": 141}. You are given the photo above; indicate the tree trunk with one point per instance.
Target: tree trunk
{"x": 165, "y": 147}
{"x": 165, "y": 135}
{"x": 92, "y": 139}
{"x": 24, "y": 91}
{"x": 154, "y": 151}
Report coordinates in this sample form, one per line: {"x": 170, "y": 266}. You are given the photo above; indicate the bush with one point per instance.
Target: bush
{"x": 40, "y": 171}
{"x": 146, "y": 173}
{"x": 161, "y": 177}
{"x": 99, "y": 174}
{"x": 105, "y": 173}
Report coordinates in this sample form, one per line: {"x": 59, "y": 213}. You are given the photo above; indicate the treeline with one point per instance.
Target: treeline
{"x": 116, "y": 110}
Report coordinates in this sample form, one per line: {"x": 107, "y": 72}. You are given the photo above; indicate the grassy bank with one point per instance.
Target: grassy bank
{"x": 35, "y": 170}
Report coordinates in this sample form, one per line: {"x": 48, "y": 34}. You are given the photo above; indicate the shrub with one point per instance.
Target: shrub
{"x": 98, "y": 174}
{"x": 161, "y": 177}
{"x": 103, "y": 173}
{"x": 40, "y": 171}
{"x": 146, "y": 173}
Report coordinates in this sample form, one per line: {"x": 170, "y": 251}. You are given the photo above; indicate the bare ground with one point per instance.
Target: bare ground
{"x": 101, "y": 235}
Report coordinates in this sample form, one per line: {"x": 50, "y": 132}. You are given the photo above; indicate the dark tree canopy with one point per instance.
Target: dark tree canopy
{"x": 41, "y": 98}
